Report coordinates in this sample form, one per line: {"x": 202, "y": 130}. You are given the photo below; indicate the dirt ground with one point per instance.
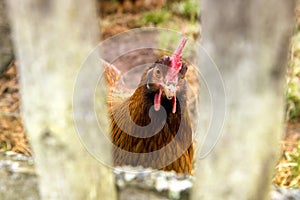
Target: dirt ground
{"x": 287, "y": 169}
{"x": 117, "y": 18}
{"x": 12, "y": 134}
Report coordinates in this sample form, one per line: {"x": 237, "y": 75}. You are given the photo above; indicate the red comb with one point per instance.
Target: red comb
{"x": 179, "y": 49}
{"x": 175, "y": 59}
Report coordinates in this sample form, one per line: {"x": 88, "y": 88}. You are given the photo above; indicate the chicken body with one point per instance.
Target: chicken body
{"x": 153, "y": 137}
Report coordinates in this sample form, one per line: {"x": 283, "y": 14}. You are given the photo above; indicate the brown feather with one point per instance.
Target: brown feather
{"x": 177, "y": 129}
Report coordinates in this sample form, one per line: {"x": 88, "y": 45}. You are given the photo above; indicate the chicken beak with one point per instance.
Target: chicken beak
{"x": 170, "y": 91}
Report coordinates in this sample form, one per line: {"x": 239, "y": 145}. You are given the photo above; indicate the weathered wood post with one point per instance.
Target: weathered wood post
{"x": 52, "y": 39}
{"x": 248, "y": 41}
{"x": 6, "y": 47}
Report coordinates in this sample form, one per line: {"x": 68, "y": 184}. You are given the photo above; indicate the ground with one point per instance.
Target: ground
{"x": 12, "y": 134}
{"x": 287, "y": 169}
{"x": 117, "y": 18}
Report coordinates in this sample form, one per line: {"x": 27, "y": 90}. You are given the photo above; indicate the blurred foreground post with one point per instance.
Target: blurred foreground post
{"x": 52, "y": 39}
{"x": 6, "y": 51}
{"x": 248, "y": 40}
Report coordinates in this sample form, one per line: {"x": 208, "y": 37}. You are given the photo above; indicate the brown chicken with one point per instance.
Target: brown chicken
{"x": 151, "y": 128}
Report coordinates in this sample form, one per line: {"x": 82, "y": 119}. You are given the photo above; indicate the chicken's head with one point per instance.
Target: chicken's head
{"x": 166, "y": 77}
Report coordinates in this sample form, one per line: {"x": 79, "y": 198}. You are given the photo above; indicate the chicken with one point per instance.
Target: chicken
{"x": 151, "y": 128}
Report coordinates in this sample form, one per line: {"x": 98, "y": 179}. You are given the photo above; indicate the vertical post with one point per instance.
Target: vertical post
{"x": 52, "y": 39}
{"x": 6, "y": 50}
{"x": 248, "y": 41}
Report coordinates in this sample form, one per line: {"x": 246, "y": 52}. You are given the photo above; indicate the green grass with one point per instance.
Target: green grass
{"x": 293, "y": 80}
{"x": 3, "y": 146}
{"x": 295, "y": 158}
{"x": 190, "y": 9}
{"x": 156, "y": 17}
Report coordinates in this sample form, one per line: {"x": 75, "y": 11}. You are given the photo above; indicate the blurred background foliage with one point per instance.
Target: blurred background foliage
{"x": 121, "y": 15}
{"x": 288, "y": 168}
{"x": 293, "y": 78}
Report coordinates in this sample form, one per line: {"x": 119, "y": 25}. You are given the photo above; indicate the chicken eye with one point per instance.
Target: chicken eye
{"x": 157, "y": 73}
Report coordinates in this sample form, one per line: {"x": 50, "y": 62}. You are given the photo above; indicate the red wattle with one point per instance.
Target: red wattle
{"x": 157, "y": 100}
{"x": 174, "y": 104}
